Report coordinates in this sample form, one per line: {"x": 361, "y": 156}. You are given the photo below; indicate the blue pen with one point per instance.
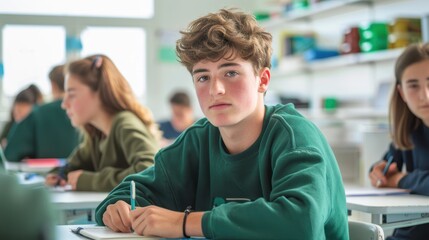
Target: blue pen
{"x": 133, "y": 195}
{"x": 61, "y": 174}
{"x": 389, "y": 162}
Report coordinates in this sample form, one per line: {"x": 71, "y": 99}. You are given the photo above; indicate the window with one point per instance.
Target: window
{"x": 93, "y": 8}
{"x": 125, "y": 46}
{"x": 29, "y": 53}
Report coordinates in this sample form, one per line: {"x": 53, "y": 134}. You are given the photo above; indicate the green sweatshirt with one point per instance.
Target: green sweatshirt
{"x": 45, "y": 133}
{"x": 129, "y": 148}
{"x": 287, "y": 185}
{"x": 25, "y": 212}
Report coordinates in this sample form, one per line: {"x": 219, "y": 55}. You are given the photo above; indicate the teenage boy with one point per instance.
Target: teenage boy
{"x": 248, "y": 170}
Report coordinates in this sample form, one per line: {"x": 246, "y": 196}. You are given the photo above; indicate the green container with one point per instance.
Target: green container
{"x": 373, "y": 37}
{"x": 330, "y": 103}
{"x": 261, "y": 16}
{"x": 300, "y": 4}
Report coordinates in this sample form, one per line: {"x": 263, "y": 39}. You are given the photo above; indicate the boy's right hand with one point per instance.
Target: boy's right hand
{"x": 53, "y": 180}
{"x": 117, "y": 217}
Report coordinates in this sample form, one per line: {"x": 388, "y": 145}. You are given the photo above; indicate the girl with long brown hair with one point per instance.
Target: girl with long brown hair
{"x": 120, "y": 135}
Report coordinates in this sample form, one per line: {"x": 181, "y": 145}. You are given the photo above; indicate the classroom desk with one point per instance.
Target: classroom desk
{"x": 392, "y": 211}
{"x": 75, "y": 200}
{"x": 41, "y": 166}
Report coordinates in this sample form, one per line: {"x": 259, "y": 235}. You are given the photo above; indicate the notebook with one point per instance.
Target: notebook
{"x": 371, "y": 191}
{"x": 99, "y": 232}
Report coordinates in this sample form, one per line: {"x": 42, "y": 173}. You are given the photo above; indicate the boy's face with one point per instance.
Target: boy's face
{"x": 228, "y": 90}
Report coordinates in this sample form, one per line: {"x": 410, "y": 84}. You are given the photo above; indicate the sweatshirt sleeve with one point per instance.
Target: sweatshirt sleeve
{"x": 21, "y": 140}
{"x": 152, "y": 188}
{"x": 138, "y": 147}
{"x": 417, "y": 181}
{"x": 299, "y": 203}
{"x": 81, "y": 157}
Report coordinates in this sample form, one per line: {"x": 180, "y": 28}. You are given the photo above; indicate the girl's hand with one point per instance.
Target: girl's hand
{"x": 73, "y": 177}
{"x": 391, "y": 179}
{"x": 54, "y": 180}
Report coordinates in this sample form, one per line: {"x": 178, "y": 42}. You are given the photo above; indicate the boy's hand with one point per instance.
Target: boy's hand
{"x": 117, "y": 217}
{"x": 157, "y": 221}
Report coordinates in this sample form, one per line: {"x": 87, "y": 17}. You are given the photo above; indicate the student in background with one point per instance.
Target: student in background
{"x": 182, "y": 117}
{"x": 46, "y": 132}
{"x": 409, "y": 121}
{"x": 21, "y": 107}
{"x": 37, "y": 93}
{"x": 120, "y": 135}
{"x": 248, "y": 170}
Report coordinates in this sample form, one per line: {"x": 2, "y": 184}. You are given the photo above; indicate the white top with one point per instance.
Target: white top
{"x": 390, "y": 204}
{"x": 69, "y": 200}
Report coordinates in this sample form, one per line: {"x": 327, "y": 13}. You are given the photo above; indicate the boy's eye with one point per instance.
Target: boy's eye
{"x": 201, "y": 78}
{"x": 231, "y": 74}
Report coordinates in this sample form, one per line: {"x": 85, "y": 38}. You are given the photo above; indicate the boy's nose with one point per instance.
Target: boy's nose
{"x": 217, "y": 87}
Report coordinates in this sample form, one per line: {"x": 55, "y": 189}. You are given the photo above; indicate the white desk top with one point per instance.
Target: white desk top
{"x": 70, "y": 200}
{"x": 390, "y": 204}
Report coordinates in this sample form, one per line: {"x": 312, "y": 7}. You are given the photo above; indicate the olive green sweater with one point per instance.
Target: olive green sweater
{"x": 129, "y": 148}
{"x": 287, "y": 185}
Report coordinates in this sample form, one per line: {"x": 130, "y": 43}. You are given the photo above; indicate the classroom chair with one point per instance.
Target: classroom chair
{"x": 365, "y": 231}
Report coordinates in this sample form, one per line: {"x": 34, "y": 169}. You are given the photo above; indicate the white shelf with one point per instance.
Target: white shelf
{"x": 311, "y": 11}
{"x": 341, "y": 61}
{"x": 353, "y": 59}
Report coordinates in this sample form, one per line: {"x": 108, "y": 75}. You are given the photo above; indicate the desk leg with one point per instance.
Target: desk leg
{"x": 61, "y": 217}
{"x": 377, "y": 219}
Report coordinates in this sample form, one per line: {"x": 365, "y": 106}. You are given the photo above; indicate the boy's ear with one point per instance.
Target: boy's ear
{"x": 265, "y": 76}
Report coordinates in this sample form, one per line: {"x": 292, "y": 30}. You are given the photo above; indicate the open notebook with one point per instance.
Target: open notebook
{"x": 358, "y": 191}
{"x": 99, "y": 232}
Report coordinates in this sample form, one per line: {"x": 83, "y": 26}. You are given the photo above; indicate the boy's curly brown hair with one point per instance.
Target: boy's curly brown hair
{"x": 225, "y": 34}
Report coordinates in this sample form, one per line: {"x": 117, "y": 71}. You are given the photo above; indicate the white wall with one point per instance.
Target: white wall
{"x": 172, "y": 16}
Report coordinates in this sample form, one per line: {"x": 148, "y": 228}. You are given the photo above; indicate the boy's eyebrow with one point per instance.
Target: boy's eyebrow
{"x": 198, "y": 70}
{"x": 229, "y": 64}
